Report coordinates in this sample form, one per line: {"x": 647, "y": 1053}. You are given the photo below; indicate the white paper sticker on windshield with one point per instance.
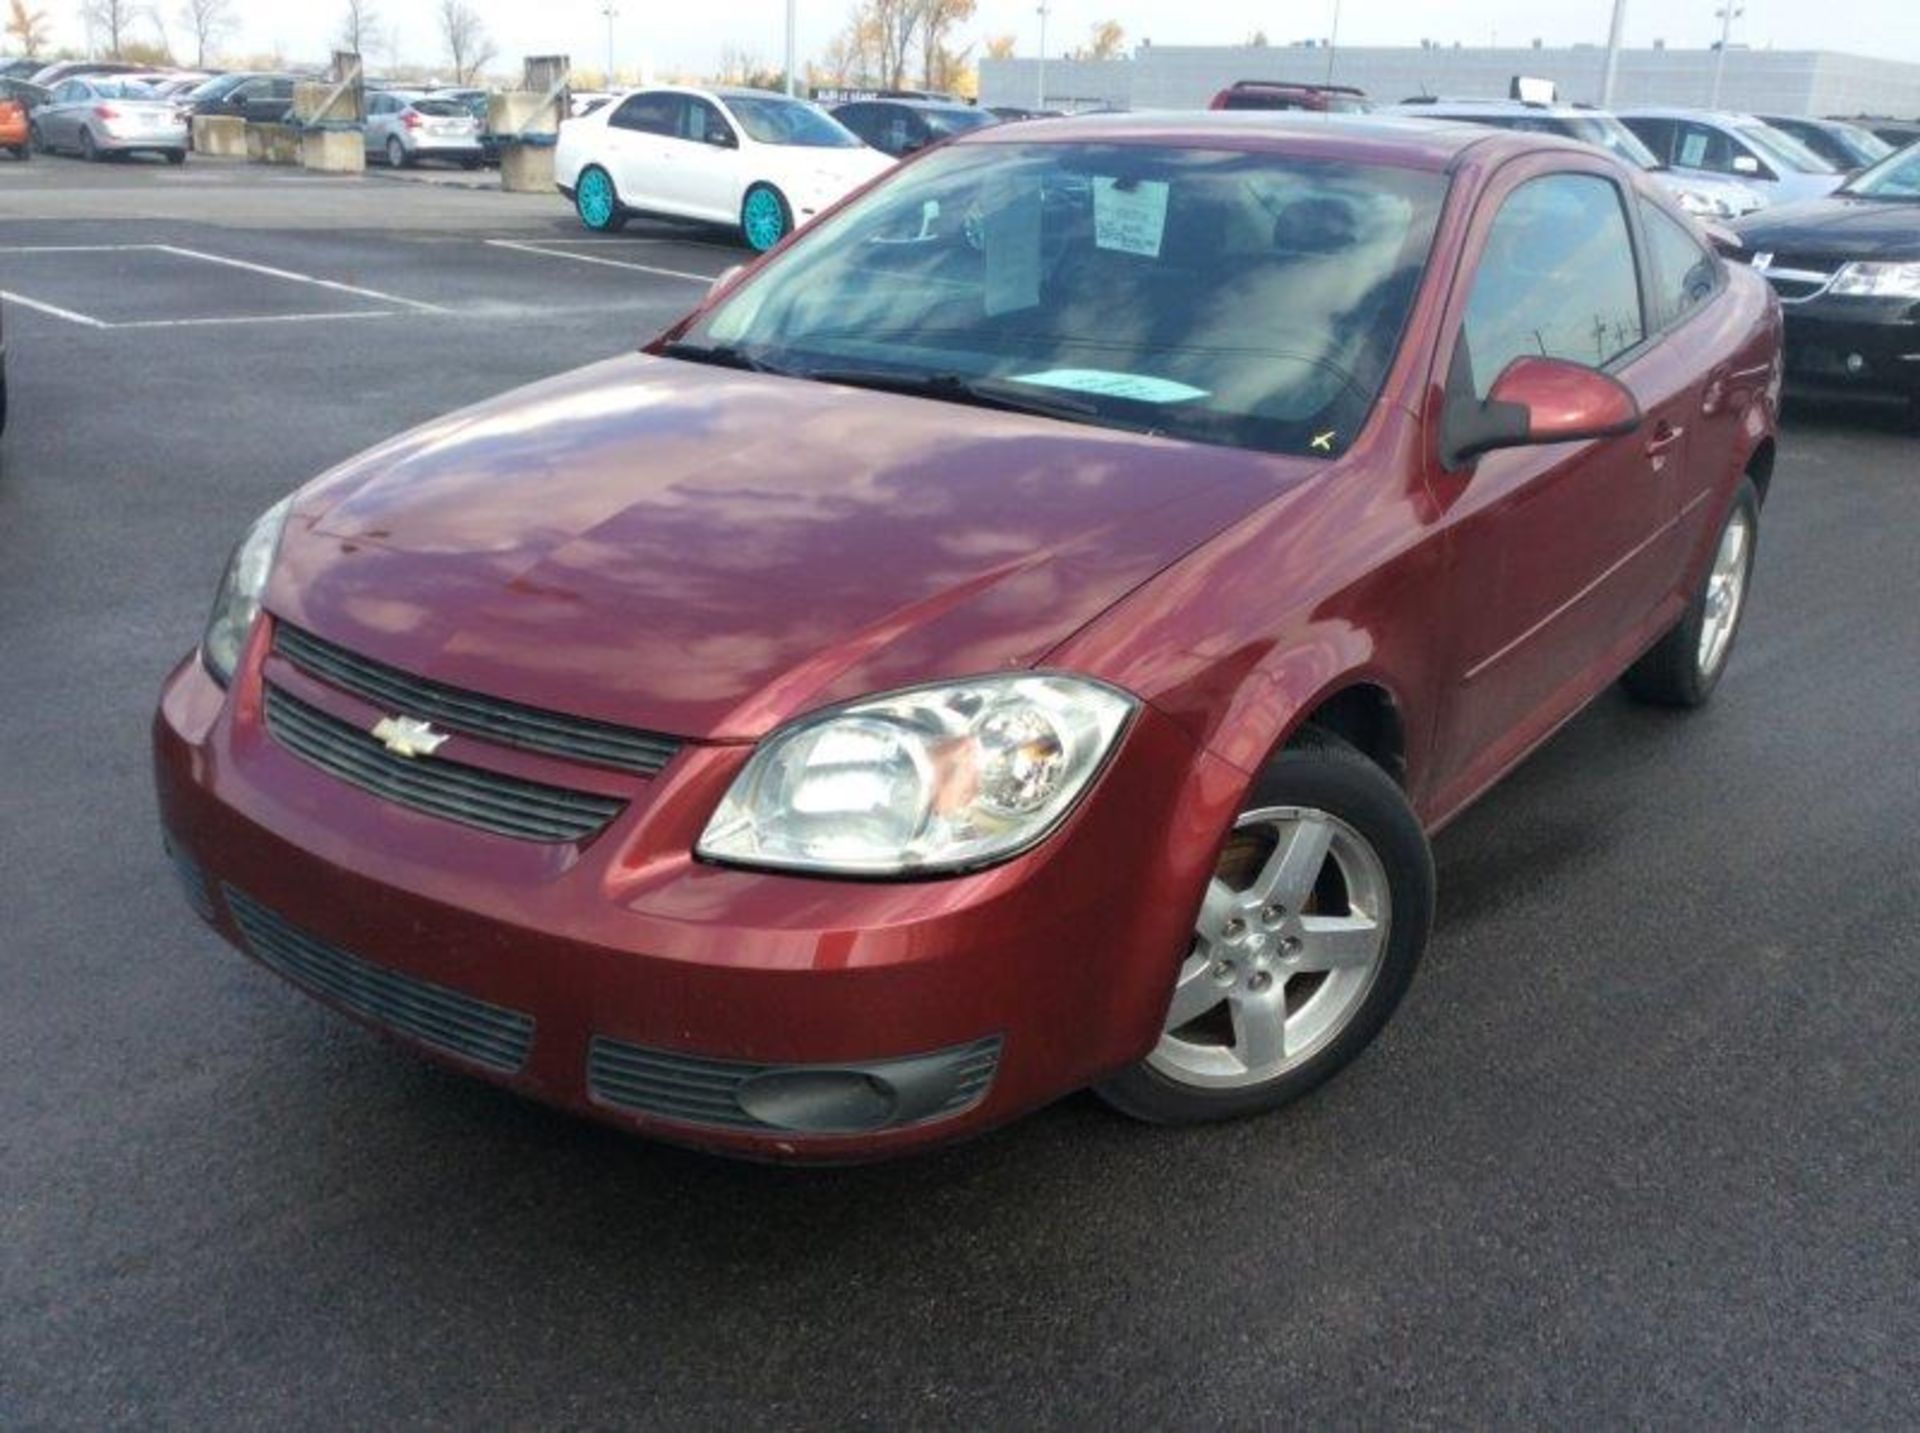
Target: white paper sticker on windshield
{"x": 1130, "y": 220}
{"x": 1139, "y": 387}
{"x": 1693, "y": 150}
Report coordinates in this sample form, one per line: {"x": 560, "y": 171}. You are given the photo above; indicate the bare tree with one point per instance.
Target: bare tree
{"x": 468, "y": 44}
{"x": 28, "y": 28}
{"x": 109, "y": 20}
{"x": 208, "y": 20}
{"x": 359, "y": 27}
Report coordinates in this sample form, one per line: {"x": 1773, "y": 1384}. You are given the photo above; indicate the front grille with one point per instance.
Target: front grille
{"x": 694, "y": 1090}
{"x": 510, "y": 723}
{"x": 1796, "y": 279}
{"x": 486, "y": 1034}
{"x": 471, "y": 795}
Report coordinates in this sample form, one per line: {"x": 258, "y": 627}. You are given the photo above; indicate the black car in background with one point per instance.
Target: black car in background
{"x": 1847, "y": 270}
{"x": 900, "y": 126}
{"x": 1840, "y": 142}
{"x": 256, "y": 98}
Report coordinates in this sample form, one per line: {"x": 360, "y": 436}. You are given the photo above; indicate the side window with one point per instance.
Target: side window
{"x": 896, "y": 135}
{"x": 1556, "y": 279}
{"x": 1685, "y": 275}
{"x": 1657, "y": 135}
{"x": 648, "y": 113}
{"x": 701, "y": 122}
{"x": 1703, "y": 148}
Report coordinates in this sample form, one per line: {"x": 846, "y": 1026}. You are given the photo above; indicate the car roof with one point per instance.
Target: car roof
{"x": 1484, "y": 105}
{"x": 909, "y": 104}
{"x": 1405, "y": 141}
{"x": 1705, "y": 116}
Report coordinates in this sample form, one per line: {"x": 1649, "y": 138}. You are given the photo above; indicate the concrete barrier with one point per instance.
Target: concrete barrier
{"x": 333, "y": 151}
{"x": 223, "y": 136}
{"x": 526, "y": 122}
{"x": 273, "y": 144}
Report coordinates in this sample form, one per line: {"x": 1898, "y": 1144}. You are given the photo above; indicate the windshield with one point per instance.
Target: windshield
{"x": 1863, "y": 144}
{"x": 945, "y": 122}
{"x": 1613, "y": 136}
{"x": 781, "y": 121}
{"x": 1895, "y": 177}
{"x": 1254, "y": 300}
{"x": 1783, "y": 149}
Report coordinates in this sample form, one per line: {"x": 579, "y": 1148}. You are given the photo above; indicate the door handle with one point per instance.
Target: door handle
{"x": 1665, "y": 435}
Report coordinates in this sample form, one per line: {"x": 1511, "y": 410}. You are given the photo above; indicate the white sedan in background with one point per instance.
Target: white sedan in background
{"x": 756, "y": 160}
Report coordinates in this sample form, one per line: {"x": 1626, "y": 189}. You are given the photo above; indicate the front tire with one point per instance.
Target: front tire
{"x": 1683, "y": 667}
{"x": 1308, "y": 936}
{"x": 765, "y": 218}
{"x": 596, "y": 201}
{"x": 176, "y": 156}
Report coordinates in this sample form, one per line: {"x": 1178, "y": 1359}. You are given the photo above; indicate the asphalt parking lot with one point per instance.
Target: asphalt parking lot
{"x": 1642, "y": 1147}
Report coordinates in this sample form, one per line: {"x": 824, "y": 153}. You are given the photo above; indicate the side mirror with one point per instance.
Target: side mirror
{"x": 1536, "y": 402}
{"x": 1745, "y": 164}
{"x": 720, "y": 139}
{"x": 1726, "y": 243}
{"x": 722, "y": 279}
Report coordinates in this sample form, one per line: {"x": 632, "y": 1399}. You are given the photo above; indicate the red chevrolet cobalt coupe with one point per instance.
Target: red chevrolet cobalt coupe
{"x": 1017, "y": 638}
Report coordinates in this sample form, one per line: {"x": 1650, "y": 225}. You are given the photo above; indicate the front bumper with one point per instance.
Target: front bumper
{"x": 752, "y": 1013}
{"x": 1863, "y": 345}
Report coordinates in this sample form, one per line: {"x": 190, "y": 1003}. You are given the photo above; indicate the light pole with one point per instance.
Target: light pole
{"x": 612, "y": 15}
{"x": 1612, "y": 71}
{"x": 1333, "y": 40}
{"x": 1727, "y": 16}
{"x": 790, "y": 79}
{"x": 1040, "y": 80}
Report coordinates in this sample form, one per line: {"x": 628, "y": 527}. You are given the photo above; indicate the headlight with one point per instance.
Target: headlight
{"x": 933, "y": 779}
{"x": 237, "y": 603}
{"x": 1704, "y": 206}
{"x": 1880, "y": 281}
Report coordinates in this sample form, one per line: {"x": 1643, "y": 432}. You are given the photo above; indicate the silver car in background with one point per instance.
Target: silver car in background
{"x": 404, "y": 128}
{"x": 99, "y": 115}
{"x": 1711, "y": 144}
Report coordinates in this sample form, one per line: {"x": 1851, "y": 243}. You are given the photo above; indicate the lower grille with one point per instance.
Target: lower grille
{"x": 722, "y": 1094}
{"x": 471, "y": 795}
{"x": 489, "y": 1035}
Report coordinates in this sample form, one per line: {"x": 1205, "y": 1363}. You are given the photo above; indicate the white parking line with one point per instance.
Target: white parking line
{"x": 250, "y": 318}
{"x": 596, "y": 259}
{"x": 66, "y": 313}
{"x": 379, "y": 296}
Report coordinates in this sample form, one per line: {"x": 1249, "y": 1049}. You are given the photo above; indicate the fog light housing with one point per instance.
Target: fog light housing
{"x": 816, "y": 1101}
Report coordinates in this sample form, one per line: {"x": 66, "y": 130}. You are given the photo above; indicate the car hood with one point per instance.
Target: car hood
{"x": 707, "y": 552}
{"x": 1839, "y": 227}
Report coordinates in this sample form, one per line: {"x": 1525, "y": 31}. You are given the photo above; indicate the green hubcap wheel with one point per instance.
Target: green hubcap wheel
{"x": 594, "y": 199}
{"x": 764, "y": 220}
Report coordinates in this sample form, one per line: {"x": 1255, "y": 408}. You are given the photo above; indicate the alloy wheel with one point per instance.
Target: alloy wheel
{"x": 594, "y": 199}
{"x": 1726, "y": 592}
{"x": 763, "y": 219}
{"x": 1290, "y": 939}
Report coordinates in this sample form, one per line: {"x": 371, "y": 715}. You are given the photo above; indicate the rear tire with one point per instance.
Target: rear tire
{"x": 23, "y": 152}
{"x": 1683, "y": 667}
{"x": 176, "y": 156}
{"x": 597, "y": 202}
{"x": 396, "y": 153}
{"x": 88, "y": 151}
{"x": 765, "y": 218}
{"x": 1292, "y": 972}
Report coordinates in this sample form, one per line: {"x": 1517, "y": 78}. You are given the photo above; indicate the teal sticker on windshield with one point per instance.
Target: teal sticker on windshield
{"x": 1137, "y": 387}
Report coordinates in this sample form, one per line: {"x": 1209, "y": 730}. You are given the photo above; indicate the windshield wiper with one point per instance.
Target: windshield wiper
{"x": 963, "y": 388}
{"x": 720, "y": 355}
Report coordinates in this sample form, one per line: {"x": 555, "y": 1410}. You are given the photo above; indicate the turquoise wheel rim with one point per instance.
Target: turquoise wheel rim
{"x": 594, "y": 199}
{"x": 764, "y": 221}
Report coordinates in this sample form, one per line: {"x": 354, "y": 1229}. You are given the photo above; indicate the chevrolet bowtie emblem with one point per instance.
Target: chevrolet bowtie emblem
{"x": 408, "y": 736}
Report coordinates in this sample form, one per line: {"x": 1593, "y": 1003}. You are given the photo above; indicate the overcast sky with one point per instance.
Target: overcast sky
{"x": 691, "y": 36}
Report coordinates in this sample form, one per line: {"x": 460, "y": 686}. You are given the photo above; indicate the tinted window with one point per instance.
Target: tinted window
{"x": 1685, "y": 274}
{"x": 1656, "y": 134}
{"x": 944, "y": 122}
{"x": 1895, "y": 177}
{"x": 650, "y": 113}
{"x": 444, "y": 109}
{"x": 1556, "y": 279}
{"x": 1255, "y": 300}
